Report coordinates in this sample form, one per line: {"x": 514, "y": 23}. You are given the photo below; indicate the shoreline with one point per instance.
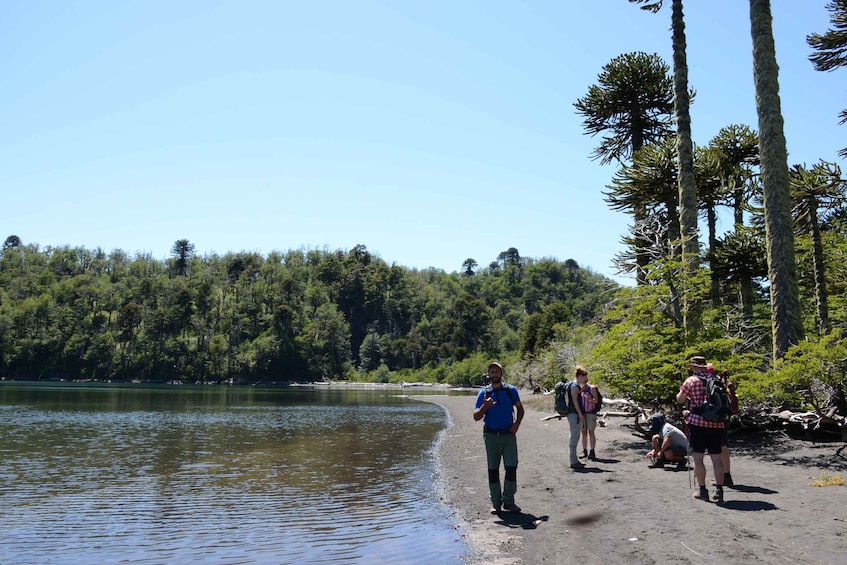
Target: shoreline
{"x": 617, "y": 509}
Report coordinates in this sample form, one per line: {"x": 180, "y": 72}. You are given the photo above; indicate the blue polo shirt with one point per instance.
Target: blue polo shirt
{"x": 500, "y": 416}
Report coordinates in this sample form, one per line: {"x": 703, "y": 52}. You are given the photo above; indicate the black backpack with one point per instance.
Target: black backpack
{"x": 717, "y": 405}
{"x": 564, "y": 404}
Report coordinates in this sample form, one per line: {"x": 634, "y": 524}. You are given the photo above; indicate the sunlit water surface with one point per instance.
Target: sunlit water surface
{"x": 110, "y": 474}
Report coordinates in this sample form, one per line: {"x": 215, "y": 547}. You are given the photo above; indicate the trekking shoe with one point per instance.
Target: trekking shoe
{"x": 495, "y": 509}
{"x": 703, "y": 494}
{"x": 727, "y": 480}
{"x": 511, "y": 507}
{"x": 656, "y": 464}
{"x": 577, "y": 465}
{"x": 592, "y": 455}
{"x": 584, "y": 453}
{"x": 718, "y": 496}
{"x": 682, "y": 465}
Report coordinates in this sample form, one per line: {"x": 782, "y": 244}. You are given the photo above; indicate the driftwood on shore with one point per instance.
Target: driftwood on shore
{"x": 812, "y": 422}
{"x": 828, "y": 422}
{"x": 620, "y": 407}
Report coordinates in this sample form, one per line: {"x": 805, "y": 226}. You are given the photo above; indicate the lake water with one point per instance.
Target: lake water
{"x": 226, "y": 475}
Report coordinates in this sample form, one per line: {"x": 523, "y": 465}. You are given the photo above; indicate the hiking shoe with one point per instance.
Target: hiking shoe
{"x": 727, "y": 481}
{"x": 718, "y": 496}
{"x": 702, "y": 494}
{"x": 682, "y": 465}
{"x": 495, "y": 509}
{"x": 511, "y": 507}
{"x": 584, "y": 453}
{"x": 592, "y": 455}
{"x": 577, "y": 465}
{"x": 657, "y": 464}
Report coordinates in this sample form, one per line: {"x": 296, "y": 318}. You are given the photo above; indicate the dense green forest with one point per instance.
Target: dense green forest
{"x": 74, "y": 313}
{"x": 765, "y": 299}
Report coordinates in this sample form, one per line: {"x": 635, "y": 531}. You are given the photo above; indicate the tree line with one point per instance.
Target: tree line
{"x": 299, "y": 315}
{"x": 765, "y": 299}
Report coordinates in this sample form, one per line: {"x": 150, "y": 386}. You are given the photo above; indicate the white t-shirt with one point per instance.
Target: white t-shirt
{"x": 678, "y": 438}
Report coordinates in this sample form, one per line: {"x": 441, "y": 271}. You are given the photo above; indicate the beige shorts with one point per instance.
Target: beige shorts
{"x": 590, "y": 423}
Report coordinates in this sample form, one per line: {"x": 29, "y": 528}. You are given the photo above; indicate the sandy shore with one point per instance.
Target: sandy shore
{"x": 619, "y": 511}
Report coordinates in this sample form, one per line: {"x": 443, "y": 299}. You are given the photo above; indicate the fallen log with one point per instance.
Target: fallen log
{"x": 811, "y": 422}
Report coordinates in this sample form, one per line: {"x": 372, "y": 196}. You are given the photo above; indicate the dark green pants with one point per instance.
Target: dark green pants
{"x": 505, "y": 447}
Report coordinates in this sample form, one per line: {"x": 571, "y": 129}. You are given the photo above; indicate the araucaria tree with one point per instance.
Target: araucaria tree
{"x": 685, "y": 148}
{"x": 782, "y": 267}
{"x": 816, "y": 192}
{"x": 831, "y": 47}
{"x": 631, "y": 105}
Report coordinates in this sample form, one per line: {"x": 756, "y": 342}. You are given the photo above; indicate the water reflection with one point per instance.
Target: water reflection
{"x": 214, "y": 474}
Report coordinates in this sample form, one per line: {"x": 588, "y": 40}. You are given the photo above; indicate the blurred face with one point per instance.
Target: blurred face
{"x": 495, "y": 374}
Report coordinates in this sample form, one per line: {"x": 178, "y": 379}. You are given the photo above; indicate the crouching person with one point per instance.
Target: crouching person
{"x": 669, "y": 444}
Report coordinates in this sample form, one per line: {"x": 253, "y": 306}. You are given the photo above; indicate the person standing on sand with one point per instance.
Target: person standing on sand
{"x": 704, "y": 435}
{"x": 576, "y": 416}
{"x": 496, "y": 405}
{"x": 588, "y": 399}
{"x": 730, "y": 390}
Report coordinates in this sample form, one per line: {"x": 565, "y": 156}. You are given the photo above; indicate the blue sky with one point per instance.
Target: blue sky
{"x": 430, "y": 132}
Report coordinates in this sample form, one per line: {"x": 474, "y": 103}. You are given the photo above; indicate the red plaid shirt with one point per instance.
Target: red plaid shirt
{"x": 695, "y": 391}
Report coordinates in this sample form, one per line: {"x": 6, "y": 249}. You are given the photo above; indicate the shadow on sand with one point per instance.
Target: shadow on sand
{"x": 521, "y": 520}
{"x": 749, "y": 505}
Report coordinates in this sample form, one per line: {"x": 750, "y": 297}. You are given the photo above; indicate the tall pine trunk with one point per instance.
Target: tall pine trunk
{"x": 685, "y": 151}
{"x": 821, "y": 294}
{"x": 779, "y": 230}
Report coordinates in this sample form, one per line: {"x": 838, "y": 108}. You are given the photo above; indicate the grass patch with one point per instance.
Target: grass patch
{"x": 540, "y": 402}
{"x": 827, "y": 480}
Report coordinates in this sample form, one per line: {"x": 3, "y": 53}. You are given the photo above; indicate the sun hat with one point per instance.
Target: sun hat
{"x": 697, "y": 361}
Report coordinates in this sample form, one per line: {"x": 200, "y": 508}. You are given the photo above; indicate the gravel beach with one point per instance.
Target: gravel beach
{"x": 617, "y": 510}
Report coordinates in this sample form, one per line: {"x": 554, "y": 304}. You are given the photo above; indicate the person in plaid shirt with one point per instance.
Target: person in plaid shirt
{"x": 704, "y": 435}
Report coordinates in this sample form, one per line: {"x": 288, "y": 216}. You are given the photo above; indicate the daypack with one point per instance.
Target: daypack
{"x": 599, "y": 401}
{"x": 717, "y": 405}
{"x": 733, "y": 399}
{"x": 563, "y": 401}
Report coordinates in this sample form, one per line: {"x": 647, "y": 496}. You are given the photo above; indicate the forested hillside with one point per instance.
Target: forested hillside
{"x": 74, "y": 313}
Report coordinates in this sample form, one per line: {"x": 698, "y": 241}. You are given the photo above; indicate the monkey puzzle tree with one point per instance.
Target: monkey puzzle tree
{"x": 831, "y": 47}
{"x": 786, "y": 317}
{"x": 632, "y": 104}
{"x": 816, "y": 191}
{"x": 685, "y": 147}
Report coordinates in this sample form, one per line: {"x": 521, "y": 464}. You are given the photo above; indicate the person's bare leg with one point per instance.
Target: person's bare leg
{"x": 670, "y": 456}
{"x": 700, "y": 468}
{"x": 717, "y": 463}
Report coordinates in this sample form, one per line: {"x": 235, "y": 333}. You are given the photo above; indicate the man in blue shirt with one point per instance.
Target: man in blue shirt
{"x": 496, "y": 405}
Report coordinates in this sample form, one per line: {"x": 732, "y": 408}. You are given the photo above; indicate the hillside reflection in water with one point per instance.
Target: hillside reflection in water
{"x": 132, "y": 474}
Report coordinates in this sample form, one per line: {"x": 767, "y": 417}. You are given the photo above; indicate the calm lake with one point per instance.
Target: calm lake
{"x": 102, "y": 474}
